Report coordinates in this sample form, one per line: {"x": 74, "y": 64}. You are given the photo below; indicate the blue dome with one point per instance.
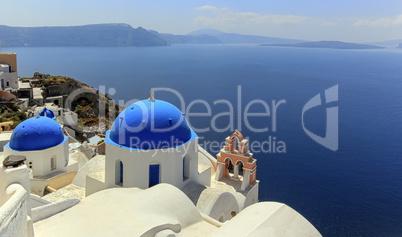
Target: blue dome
{"x": 36, "y": 133}
{"x": 47, "y": 113}
{"x": 150, "y": 125}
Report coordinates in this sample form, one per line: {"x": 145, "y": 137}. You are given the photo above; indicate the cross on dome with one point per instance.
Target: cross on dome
{"x": 151, "y": 97}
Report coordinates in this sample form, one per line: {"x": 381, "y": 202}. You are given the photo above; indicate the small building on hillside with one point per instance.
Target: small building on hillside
{"x": 43, "y": 143}
{"x": 8, "y": 71}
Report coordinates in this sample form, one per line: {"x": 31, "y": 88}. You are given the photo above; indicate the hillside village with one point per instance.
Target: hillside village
{"x": 21, "y": 98}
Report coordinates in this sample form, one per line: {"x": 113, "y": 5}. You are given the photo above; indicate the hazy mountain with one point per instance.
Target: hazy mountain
{"x": 211, "y": 36}
{"x": 233, "y": 38}
{"x": 388, "y": 43}
{"x": 187, "y": 39}
{"x": 399, "y": 46}
{"x": 328, "y": 44}
{"x": 206, "y": 32}
{"x": 108, "y": 35}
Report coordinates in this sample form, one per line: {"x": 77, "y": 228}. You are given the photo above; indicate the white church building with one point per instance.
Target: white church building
{"x": 41, "y": 140}
{"x": 46, "y": 148}
{"x": 150, "y": 142}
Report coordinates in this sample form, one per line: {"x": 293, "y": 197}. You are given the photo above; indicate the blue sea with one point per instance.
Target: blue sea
{"x": 354, "y": 191}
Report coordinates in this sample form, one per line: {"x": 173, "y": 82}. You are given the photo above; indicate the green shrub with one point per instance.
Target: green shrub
{"x": 21, "y": 116}
{"x": 15, "y": 107}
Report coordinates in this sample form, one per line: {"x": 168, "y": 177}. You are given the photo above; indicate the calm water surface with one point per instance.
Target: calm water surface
{"x": 355, "y": 191}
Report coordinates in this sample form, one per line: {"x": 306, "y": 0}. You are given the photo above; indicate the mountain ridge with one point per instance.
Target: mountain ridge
{"x": 98, "y": 35}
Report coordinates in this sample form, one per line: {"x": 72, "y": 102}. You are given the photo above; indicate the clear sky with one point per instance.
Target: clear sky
{"x": 352, "y": 20}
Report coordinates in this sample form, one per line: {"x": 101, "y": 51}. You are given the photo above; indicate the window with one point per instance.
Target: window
{"x": 186, "y": 168}
{"x": 119, "y": 173}
{"x": 53, "y": 162}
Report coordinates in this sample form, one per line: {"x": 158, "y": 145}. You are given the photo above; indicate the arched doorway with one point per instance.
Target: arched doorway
{"x": 154, "y": 175}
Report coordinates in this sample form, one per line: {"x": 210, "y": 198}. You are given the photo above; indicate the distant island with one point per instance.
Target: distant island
{"x": 187, "y": 39}
{"x": 233, "y": 38}
{"x": 99, "y": 35}
{"x": 399, "y": 46}
{"x": 328, "y": 45}
{"x": 211, "y": 36}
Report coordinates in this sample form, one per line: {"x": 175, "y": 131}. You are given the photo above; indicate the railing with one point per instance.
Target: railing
{"x": 16, "y": 196}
